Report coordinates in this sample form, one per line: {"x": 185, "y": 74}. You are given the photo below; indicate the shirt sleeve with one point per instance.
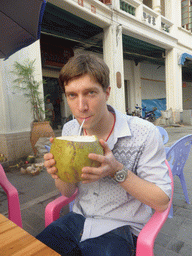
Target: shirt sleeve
{"x": 151, "y": 165}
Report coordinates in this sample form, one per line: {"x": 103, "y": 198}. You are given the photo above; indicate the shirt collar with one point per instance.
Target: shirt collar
{"x": 121, "y": 128}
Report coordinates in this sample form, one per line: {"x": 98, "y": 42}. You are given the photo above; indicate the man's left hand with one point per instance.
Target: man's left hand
{"x": 109, "y": 165}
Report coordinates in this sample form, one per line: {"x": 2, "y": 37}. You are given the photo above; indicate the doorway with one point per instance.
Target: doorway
{"x": 127, "y": 97}
{"x": 52, "y": 88}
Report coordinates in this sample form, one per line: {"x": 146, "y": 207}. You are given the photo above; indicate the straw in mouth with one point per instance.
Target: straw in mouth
{"x": 80, "y": 129}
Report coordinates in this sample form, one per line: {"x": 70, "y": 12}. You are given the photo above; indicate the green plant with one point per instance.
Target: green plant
{"x": 26, "y": 83}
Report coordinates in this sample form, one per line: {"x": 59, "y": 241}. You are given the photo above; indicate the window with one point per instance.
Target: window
{"x": 186, "y": 14}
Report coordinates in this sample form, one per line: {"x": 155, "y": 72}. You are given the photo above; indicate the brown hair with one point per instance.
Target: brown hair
{"x": 82, "y": 64}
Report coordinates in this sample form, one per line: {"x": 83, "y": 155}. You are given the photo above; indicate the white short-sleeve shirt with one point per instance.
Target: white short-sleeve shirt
{"x": 138, "y": 145}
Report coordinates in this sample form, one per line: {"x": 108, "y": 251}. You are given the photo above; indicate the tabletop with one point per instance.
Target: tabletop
{"x": 16, "y": 241}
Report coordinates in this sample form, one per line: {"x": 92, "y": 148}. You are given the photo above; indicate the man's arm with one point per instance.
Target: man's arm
{"x": 143, "y": 190}
{"x": 146, "y": 192}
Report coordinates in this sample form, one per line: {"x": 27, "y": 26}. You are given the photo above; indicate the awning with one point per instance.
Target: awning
{"x": 183, "y": 57}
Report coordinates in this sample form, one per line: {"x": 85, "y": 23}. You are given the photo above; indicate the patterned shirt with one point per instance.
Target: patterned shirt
{"x": 138, "y": 145}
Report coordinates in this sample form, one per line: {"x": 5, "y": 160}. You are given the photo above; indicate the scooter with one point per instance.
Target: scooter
{"x": 150, "y": 115}
{"x": 137, "y": 111}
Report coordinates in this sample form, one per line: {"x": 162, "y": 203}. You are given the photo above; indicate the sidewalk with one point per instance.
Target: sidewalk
{"x": 175, "y": 238}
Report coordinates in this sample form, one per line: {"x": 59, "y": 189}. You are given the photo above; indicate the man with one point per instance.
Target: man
{"x": 50, "y": 114}
{"x": 115, "y": 199}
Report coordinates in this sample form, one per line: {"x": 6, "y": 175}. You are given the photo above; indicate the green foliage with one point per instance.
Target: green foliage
{"x": 26, "y": 83}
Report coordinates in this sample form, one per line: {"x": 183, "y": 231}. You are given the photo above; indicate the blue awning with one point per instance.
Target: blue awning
{"x": 183, "y": 58}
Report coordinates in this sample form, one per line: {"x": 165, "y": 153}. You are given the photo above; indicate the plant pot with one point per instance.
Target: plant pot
{"x": 38, "y": 130}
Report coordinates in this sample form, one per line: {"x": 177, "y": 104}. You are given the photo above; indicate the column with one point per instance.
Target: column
{"x": 156, "y": 6}
{"x": 113, "y": 56}
{"x": 173, "y": 13}
{"x": 174, "y": 98}
{"x": 137, "y": 83}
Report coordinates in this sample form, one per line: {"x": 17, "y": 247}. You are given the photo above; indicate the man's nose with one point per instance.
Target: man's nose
{"x": 82, "y": 104}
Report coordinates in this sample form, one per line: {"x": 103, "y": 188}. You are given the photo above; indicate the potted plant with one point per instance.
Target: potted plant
{"x": 25, "y": 82}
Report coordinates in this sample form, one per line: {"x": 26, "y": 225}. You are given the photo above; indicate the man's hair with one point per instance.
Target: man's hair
{"x": 83, "y": 64}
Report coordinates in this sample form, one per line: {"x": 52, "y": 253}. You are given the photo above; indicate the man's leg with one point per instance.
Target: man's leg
{"x": 64, "y": 234}
{"x": 118, "y": 242}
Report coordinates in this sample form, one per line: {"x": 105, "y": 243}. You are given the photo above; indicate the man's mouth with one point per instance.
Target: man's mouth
{"x": 86, "y": 118}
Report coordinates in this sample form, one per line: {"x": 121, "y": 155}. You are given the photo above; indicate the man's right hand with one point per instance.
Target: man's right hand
{"x": 49, "y": 163}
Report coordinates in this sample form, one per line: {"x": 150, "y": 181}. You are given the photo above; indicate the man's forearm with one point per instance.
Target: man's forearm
{"x": 146, "y": 192}
{"x": 66, "y": 189}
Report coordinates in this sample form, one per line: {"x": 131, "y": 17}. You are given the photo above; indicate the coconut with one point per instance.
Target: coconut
{"x": 71, "y": 155}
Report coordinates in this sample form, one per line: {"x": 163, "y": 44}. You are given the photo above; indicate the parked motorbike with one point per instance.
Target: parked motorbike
{"x": 149, "y": 115}
{"x": 137, "y": 111}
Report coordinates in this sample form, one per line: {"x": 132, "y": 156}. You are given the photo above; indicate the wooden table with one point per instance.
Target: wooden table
{"x": 14, "y": 241}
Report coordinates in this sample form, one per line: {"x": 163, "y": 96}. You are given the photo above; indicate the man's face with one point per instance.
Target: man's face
{"x": 87, "y": 100}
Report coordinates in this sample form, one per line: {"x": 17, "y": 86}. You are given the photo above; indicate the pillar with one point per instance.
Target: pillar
{"x": 174, "y": 97}
{"x": 156, "y": 6}
{"x": 113, "y": 56}
{"x": 137, "y": 83}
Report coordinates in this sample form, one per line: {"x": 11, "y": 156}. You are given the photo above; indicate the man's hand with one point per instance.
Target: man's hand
{"x": 49, "y": 163}
{"x": 109, "y": 165}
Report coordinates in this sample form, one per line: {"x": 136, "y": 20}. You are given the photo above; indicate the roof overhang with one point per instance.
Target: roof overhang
{"x": 82, "y": 34}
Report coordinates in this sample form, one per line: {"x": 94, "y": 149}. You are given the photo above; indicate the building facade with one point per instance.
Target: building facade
{"x": 147, "y": 45}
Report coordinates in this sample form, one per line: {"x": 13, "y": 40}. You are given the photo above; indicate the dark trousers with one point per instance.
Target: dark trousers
{"x": 64, "y": 234}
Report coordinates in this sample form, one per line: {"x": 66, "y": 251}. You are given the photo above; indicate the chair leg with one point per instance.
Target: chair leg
{"x": 171, "y": 212}
{"x": 183, "y": 183}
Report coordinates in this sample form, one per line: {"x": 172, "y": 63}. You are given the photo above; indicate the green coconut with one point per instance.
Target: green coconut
{"x": 71, "y": 155}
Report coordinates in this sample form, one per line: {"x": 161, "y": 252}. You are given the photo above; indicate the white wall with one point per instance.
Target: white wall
{"x": 16, "y": 112}
{"x": 187, "y": 96}
{"x": 2, "y": 102}
{"x": 152, "y": 81}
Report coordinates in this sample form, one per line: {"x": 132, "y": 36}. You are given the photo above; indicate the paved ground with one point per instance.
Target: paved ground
{"x": 36, "y": 192}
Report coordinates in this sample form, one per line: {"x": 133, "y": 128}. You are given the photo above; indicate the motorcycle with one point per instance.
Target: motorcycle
{"x": 149, "y": 115}
{"x": 137, "y": 111}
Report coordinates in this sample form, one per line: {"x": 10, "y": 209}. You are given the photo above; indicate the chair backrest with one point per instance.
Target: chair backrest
{"x": 178, "y": 154}
{"x": 13, "y": 198}
{"x": 164, "y": 134}
{"x": 147, "y": 236}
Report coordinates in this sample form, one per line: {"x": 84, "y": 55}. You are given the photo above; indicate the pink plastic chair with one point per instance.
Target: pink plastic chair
{"x": 13, "y": 198}
{"x": 147, "y": 236}
{"x": 53, "y": 209}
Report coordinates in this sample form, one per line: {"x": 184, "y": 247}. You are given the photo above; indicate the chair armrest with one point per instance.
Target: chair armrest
{"x": 14, "y": 205}
{"x": 12, "y": 198}
{"x": 147, "y": 236}
{"x": 53, "y": 209}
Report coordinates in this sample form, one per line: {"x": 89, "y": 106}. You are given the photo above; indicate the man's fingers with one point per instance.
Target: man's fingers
{"x": 48, "y": 156}
{"x": 98, "y": 158}
{"x": 52, "y": 170}
{"x": 51, "y": 139}
{"x": 49, "y": 163}
{"x": 105, "y": 146}
{"x": 54, "y": 176}
{"x": 95, "y": 171}
{"x": 87, "y": 178}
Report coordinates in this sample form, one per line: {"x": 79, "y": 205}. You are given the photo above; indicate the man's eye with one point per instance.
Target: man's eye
{"x": 91, "y": 92}
{"x": 71, "y": 96}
